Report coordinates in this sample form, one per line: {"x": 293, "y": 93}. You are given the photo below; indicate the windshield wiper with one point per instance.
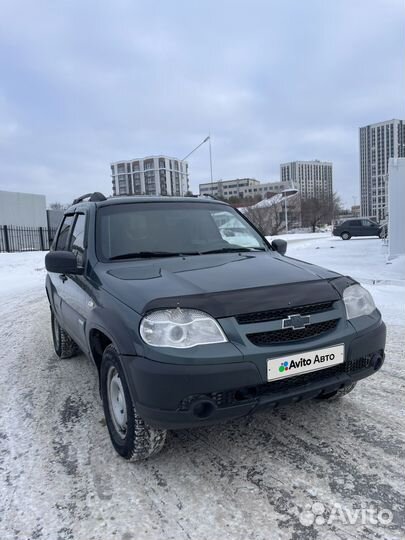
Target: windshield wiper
{"x": 148, "y": 255}
{"x": 232, "y": 250}
{"x": 157, "y": 254}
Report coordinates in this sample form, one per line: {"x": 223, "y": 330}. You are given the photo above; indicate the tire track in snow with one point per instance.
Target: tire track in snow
{"x": 245, "y": 480}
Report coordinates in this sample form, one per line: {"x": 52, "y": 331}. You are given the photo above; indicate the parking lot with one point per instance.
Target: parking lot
{"x": 297, "y": 472}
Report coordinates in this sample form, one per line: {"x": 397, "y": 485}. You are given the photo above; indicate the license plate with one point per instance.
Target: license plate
{"x": 297, "y": 364}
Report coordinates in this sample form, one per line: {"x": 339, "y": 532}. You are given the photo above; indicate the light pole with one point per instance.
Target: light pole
{"x": 207, "y": 139}
{"x": 209, "y": 144}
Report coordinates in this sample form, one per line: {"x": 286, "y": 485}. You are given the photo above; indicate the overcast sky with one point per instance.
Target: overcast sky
{"x": 84, "y": 83}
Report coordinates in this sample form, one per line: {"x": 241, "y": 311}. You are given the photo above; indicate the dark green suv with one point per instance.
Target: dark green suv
{"x": 191, "y": 316}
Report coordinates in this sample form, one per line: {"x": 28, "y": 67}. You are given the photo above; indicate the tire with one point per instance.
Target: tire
{"x": 131, "y": 437}
{"x": 345, "y": 236}
{"x": 339, "y": 393}
{"x": 63, "y": 344}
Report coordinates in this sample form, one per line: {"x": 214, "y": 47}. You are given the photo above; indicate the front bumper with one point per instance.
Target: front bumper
{"x": 174, "y": 396}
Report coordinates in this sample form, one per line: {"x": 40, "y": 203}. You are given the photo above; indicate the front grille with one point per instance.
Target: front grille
{"x": 249, "y": 393}
{"x": 262, "y": 339}
{"x": 277, "y": 314}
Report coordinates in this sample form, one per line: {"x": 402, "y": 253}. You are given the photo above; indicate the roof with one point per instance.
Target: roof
{"x": 146, "y": 158}
{"x": 127, "y": 199}
{"x": 307, "y": 162}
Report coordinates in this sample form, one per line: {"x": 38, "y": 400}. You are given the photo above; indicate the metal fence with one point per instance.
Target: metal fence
{"x": 25, "y": 238}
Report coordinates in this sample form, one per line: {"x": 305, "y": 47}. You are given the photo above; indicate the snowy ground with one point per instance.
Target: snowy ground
{"x": 61, "y": 479}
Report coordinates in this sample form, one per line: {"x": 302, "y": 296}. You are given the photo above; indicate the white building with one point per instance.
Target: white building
{"x": 313, "y": 179}
{"x": 378, "y": 143}
{"x": 396, "y": 195}
{"x": 241, "y": 187}
{"x": 153, "y": 175}
{"x": 22, "y": 209}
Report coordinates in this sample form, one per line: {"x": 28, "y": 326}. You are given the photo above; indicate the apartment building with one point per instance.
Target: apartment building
{"x": 378, "y": 143}
{"x": 153, "y": 175}
{"x": 313, "y": 179}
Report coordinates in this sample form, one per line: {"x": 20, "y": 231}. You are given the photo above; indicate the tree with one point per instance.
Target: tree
{"x": 319, "y": 211}
{"x": 237, "y": 201}
{"x": 269, "y": 220}
{"x": 58, "y": 206}
{"x": 269, "y": 217}
{"x": 336, "y": 206}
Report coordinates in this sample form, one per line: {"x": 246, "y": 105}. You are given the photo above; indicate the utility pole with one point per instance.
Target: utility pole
{"x": 212, "y": 181}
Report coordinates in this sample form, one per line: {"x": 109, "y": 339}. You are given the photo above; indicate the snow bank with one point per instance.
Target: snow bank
{"x": 365, "y": 259}
{"x": 21, "y": 273}
{"x": 300, "y": 237}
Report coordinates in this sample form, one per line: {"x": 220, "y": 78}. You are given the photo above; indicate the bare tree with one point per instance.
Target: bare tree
{"x": 237, "y": 201}
{"x": 319, "y": 211}
{"x": 269, "y": 219}
{"x": 57, "y": 206}
{"x": 336, "y": 206}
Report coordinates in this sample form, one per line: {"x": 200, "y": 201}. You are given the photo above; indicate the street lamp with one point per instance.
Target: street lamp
{"x": 207, "y": 139}
{"x": 289, "y": 192}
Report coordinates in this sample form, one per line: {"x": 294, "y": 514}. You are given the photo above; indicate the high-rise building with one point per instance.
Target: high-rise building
{"x": 240, "y": 187}
{"x": 378, "y": 142}
{"x": 313, "y": 179}
{"x": 154, "y": 175}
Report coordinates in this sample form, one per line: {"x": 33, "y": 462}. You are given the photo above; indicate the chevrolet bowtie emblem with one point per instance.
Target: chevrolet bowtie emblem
{"x": 296, "y": 322}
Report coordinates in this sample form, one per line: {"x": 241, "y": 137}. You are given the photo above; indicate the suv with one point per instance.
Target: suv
{"x": 357, "y": 227}
{"x": 189, "y": 324}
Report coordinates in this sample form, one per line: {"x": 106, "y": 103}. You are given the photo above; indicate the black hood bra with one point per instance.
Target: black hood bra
{"x": 222, "y": 285}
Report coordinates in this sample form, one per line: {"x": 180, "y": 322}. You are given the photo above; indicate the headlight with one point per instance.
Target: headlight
{"x": 357, "y": 301}
{"x": 180, "y": 329}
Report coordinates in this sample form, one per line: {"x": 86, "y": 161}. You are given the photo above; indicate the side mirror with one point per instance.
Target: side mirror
{"x": 62, "y": 262}
{"x": 280, "y": 246}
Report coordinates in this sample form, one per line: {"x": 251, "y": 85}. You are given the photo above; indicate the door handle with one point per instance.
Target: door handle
{"x": 63, "y": 277}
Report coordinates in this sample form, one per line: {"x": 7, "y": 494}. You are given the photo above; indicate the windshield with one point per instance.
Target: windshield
{"x": 169, "y": 229}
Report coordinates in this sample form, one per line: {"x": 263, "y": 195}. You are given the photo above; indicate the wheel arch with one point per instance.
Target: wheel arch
{"x": 106, "y": 326}
{"x": 99, "y": 340}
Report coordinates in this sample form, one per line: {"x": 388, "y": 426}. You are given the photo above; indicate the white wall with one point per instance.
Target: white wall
{"x": 396, "y": 208}
{"x": 22, "y": 209}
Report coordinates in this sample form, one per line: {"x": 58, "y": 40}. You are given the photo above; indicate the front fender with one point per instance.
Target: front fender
{"x": 120, "y": 324}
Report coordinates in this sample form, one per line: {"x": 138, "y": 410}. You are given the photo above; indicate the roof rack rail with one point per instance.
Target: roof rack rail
{"x": 210, "y": 196}
{"x": 203, "y": 195}
{"x": 93, "y": 197}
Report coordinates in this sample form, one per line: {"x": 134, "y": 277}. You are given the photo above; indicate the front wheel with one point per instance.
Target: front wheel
{"x": 339, "y": 393}
{"x": 131, "y": 437}
{"x": 345, "y": 236}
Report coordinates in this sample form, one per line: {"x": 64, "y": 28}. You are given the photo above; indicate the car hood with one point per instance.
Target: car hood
{"x": 220, "y": 284}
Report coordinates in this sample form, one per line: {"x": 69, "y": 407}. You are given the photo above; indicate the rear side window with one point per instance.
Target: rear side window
{"x": 353, "y": 223}
{"x": 78, "y": 238}
{"x": 62, "y": 243}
